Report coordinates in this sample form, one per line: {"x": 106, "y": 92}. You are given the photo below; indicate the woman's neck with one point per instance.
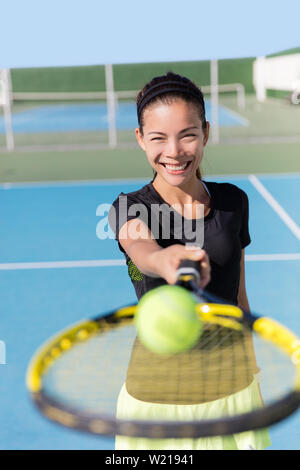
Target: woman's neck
{"x": 192, "y": 201}
{"x": 190, "y": 193}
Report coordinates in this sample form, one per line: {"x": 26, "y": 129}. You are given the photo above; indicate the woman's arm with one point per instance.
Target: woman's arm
{"x": 152, "y": 260}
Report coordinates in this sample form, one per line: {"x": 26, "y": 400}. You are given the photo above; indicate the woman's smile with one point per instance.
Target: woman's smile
{"x": 176, "y": 168}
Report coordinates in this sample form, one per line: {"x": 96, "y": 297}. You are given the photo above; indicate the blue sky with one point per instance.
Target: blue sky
{"x": 79, "y": 32}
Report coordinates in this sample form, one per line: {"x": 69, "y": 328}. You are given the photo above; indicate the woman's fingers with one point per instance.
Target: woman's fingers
{"x": 201, "y": 256}
{"x": 172, "y": 256}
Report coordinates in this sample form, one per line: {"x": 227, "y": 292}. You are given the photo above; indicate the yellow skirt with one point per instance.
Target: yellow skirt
{"x": 240, "y": 402}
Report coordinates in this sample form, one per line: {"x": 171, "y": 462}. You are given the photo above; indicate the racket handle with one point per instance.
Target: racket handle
{"x": 189, "y": 268}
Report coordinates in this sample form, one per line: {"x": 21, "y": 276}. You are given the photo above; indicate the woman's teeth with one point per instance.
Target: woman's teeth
{"x": 176, "y": 167}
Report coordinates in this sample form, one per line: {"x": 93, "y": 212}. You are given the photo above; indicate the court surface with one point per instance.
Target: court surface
{"x": 92, "y": 117}
{"x": 55, "y": 271}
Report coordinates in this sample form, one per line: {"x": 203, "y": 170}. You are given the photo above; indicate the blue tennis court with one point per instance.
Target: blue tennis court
{"x": 55, "y": 271}
{"x": 92, "y": 117}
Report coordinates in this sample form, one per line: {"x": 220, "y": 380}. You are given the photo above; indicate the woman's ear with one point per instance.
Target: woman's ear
{"x": 140, "y": 138}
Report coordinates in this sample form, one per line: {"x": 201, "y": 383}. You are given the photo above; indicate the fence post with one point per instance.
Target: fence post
{"x": 5, "y": 101}
{"x": 214, "y": 101}
{"x": 111, "y": 106}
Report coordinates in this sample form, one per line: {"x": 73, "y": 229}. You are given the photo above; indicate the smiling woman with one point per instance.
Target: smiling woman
{"x": 179, "y": 97}
{"x": 176, "y": 149}
{"x": 173, "y": 132}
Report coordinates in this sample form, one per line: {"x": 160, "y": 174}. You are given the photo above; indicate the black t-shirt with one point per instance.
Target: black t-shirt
{"x": 190, "y": 377}
{"x": 225, "y": 234}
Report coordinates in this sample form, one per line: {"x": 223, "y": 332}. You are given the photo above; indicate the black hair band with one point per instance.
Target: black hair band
{"x": 179, "y": 88}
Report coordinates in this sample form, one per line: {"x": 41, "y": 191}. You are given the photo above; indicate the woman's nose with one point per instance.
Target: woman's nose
{"x": 172, "y": 148}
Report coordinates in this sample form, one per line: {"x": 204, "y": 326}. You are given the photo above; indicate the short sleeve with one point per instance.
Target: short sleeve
{"x": 244, "y": 230}
{"x": 123, "y": 209}
{"x": 119, "y": 213}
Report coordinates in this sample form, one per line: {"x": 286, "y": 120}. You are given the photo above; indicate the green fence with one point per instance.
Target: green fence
{"x": 126, "y": 76}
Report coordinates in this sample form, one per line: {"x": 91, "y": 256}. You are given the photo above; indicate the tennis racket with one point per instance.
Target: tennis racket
{"x": 75, "y": 378}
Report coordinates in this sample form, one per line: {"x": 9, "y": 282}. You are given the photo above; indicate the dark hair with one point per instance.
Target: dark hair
{"x": 165, "y": 89}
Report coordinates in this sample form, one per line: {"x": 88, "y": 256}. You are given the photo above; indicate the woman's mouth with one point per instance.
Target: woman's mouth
{"x": 177, "y": 168}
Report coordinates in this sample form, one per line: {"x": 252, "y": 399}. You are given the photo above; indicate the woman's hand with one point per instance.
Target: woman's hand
{"x": 168, "y": 260}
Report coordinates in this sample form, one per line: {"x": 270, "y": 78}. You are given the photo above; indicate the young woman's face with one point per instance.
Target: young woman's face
{"x": 173, "y": 140}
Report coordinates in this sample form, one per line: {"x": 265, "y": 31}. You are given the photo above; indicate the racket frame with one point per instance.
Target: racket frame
{"x": 228, "y": 316}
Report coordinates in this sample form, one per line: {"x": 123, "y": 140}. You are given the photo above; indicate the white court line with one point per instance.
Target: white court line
{"x": 121, "y": 262}
{"x": 274, "y": 257}
{"x": 289, "y": 222}
{"x": 69, "y": 183}
{"x": 62, "y": 264}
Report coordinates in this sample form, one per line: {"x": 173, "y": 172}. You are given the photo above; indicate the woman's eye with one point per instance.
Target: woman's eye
{"x": 160, "y": 139}
{"x": 189, "y": 135}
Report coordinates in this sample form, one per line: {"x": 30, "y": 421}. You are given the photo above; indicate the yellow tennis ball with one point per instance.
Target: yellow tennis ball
{"x": 167, "y": 321}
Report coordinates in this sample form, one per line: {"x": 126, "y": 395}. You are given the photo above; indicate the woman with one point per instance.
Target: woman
{"x": 173, "y": 132}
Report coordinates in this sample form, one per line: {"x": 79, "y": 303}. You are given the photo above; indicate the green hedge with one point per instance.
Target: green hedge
{"x": 59, "y": 79}
{"x": 295, "y": 50}
{"x": 237, "y": 71}
{"x": 135, "y": 76}
{"x": 127, "y": 76}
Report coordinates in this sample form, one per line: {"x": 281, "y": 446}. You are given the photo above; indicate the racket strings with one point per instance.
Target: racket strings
{"x": 90, "y": 375}
{"x": 224, "y": 362}
{"x": 220, "y": 364}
